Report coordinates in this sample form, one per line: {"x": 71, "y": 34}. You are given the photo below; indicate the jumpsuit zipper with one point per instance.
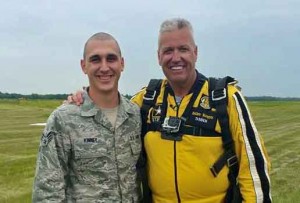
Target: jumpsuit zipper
{"x": 175, "y": 173}
{"x": 175, "y": 160}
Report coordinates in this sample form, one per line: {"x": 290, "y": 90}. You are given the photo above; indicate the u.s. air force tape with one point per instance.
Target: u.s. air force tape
{"x": 46, "y": 138}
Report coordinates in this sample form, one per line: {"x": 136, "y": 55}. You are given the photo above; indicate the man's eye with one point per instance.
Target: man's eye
{"x": 95, "y": 59}
{"x": 183, "y": 49}
{"x": 167, "y": 51}
{"x": 111, "y": 58}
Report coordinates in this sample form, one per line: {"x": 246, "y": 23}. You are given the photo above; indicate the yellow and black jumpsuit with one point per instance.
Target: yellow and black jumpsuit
{"x": 179, "y": 171}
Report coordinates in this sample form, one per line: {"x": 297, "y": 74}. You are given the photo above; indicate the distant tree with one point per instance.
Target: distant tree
{"x": 32, "y": 96}
{"x": 127, "y": 96}
{"x": 64, "y": 96}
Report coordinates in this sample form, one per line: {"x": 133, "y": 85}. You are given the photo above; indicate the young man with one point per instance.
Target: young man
{"x": 88, "y": 153}
{"x": 188, "y": 157}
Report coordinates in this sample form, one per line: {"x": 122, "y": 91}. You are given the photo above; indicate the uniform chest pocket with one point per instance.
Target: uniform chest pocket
{"x": 92, "y": 149}
{"x": 133, "y": 138}
{"x": 91, "y": 155}
{"x": 135, "y": 147}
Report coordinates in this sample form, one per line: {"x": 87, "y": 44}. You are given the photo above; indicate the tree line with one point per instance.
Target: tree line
{"x": 64, "y": 96}
{"x": 32, "y": 96}
{"x": 38, "y": 96}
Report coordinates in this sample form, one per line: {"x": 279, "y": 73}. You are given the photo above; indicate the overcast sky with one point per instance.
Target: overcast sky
{"x": 255, "y": 41}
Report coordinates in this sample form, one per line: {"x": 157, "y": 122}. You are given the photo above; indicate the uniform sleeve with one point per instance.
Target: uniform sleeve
{"x": 253, "y": 178}
{"x": 51, "y": 168}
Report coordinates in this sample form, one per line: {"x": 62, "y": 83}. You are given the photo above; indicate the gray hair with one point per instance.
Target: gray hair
{"x": 101, "y": 36}
{"x": 173, "y": 24}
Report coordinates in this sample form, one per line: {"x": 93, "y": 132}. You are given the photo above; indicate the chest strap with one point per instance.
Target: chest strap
{"x": 187, "y": 130}
{"x": 177, "y": 136}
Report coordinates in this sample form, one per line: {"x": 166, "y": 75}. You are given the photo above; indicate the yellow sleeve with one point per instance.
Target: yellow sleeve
{"x": 253, "y": 177}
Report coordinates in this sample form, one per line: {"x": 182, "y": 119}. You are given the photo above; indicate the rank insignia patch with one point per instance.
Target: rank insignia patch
{"x": 46, "y": 138}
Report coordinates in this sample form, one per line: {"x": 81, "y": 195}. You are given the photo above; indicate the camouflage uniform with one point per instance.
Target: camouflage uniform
{"x": 82, "y": 158}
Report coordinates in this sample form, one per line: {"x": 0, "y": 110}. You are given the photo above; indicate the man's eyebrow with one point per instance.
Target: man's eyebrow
{"x": 167, "y": 48}
{"x": 93, "y": 57}
{"x": 184, "y": 47}
{"x": 112, "y": 55}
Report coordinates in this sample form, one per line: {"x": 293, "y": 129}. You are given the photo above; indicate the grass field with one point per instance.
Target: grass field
{"x": 278, "y": 122}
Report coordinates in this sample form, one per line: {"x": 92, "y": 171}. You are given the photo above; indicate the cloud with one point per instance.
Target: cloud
{"x": 255, "y": 41}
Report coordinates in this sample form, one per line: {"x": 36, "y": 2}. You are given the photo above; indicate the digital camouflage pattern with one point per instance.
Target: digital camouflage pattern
{"x": 82, "y": 158}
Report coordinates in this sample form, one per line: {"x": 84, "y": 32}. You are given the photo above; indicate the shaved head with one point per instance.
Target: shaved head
{"x": 102, "y": 36}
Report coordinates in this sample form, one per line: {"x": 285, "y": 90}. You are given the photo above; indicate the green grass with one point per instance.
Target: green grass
{"x": 278, "y": 122}
{"x": 19, "y": 145}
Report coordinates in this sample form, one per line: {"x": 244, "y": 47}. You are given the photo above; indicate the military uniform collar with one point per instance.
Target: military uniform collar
{"x": 88, "y": 108}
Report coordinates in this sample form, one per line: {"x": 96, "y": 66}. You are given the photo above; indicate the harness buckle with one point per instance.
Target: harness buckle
{"x": 218, "y": 94}
{"x": 232, "y": 161}
{"x": 214, "y": 172}
{"x": 150, "y": 95}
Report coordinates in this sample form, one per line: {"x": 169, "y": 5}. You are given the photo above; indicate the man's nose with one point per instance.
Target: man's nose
{"x": 104, "y": 65}
{"x": 176, "y": 56}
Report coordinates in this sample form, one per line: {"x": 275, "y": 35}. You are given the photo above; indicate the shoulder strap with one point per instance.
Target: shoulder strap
{"x": 219, "y": 100}
{"x": 149, "y": 99}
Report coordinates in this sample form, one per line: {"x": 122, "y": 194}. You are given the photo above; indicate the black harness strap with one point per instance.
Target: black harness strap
{"x": 189, "y": 130}
{"x": 219, "y": 100}
{"x": 152, "y": 92}
{"x": 195, "y": 90}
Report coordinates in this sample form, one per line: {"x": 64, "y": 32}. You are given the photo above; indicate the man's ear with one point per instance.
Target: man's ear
{"x": 122, "y": 63}
{"x": 83, "y": 67}
{"x": 158, "y": 57}
{"x": 196, "y": 52}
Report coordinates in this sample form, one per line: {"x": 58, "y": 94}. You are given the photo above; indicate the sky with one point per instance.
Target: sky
{"x": 255, "y": 41}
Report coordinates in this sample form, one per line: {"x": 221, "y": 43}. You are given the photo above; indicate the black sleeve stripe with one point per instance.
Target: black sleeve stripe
{"x": 257, "y": 160}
